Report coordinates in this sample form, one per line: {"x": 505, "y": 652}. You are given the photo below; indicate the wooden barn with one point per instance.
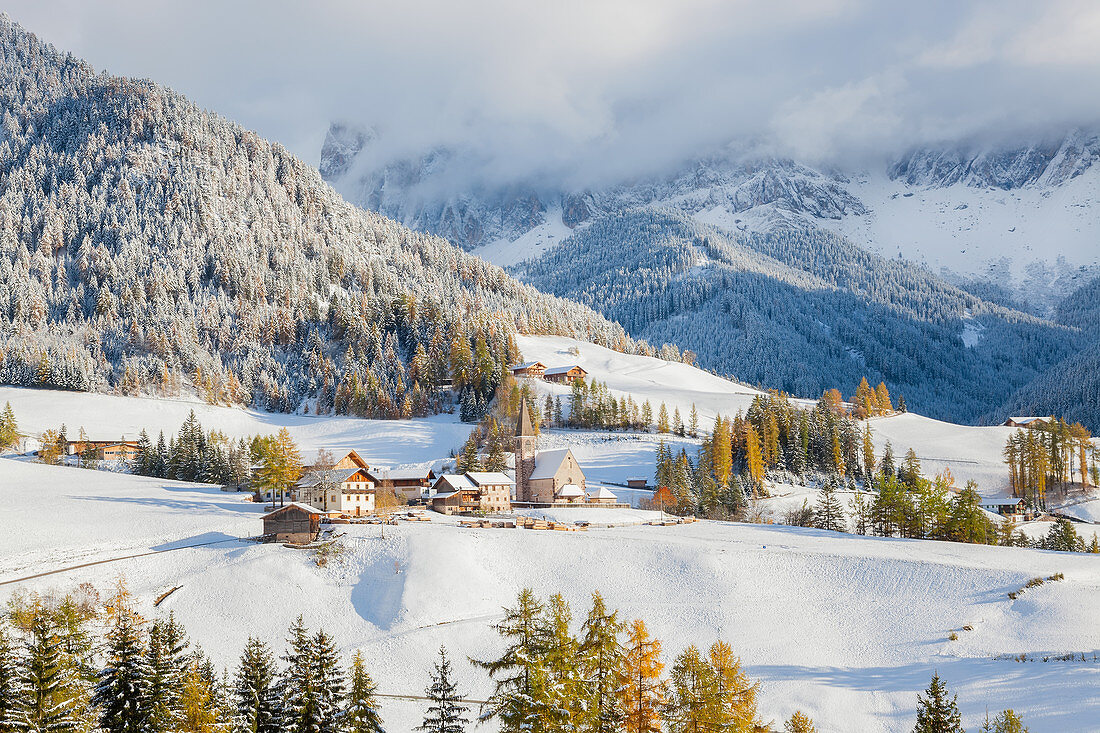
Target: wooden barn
{"x": 1026, "y": 422}
{"x": 295, "y": 523}
{"x": 532, "y": 369}
{"x": 564, "y": 374}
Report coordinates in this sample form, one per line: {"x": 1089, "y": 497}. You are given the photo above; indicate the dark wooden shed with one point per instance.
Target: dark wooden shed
{"x": 295, "y": 523}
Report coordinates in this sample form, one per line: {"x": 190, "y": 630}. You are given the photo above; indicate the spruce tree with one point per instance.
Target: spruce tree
{"x": 937, "y": 713}
{"x": 330, "y": 682}
{"x": 298, "y": 684}
{"x": 255, "y": 692}
{"x": 11, "y": 688}
{"x": 166, "y": 669}
{"x": 121, "y": 692}
{"x": 446, "y": 713}
{"x": 829, "y": 512}
{"x": 48, "y": 682}
{"x": 361, "y": 711}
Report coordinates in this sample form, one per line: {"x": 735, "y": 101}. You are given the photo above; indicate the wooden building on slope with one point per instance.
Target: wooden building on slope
{"x": 295, "y": 523}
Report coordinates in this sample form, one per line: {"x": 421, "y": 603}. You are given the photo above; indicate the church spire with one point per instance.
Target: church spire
{"x": 524, "y": 428}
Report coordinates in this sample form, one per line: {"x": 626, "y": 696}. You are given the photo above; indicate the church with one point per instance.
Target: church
{"x": 547, "y": 476}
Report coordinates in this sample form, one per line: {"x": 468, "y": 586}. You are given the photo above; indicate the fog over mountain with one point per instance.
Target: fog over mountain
{"x": 588, "y": 94}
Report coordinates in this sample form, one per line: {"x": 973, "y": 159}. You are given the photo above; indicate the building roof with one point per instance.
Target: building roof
{"x": 527, "y": 365}
{"x": 488, "y": 477}
{"x": 457, "y": 481}
{"x": 547, "y": 462}
{"x": 404, "y": 474}
{"x": 334, "y": 475}
{"x": 524, "y": 428}
{"x": 565, "y": 369}
{"x": 309, "y": 457}
{"x": 601, "y": 493}
{"x": 570, "y": 491}
{"x": 294, "y": 505}
{"x": 1000, "y": 501}
{"x": 1026, "y": 420}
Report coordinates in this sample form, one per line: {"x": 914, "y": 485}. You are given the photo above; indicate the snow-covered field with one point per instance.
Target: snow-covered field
{"x": 848, "y": 629}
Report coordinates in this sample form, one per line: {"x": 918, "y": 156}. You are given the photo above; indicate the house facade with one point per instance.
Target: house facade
{"x": 473, "y": 491}
{"x": 413, "y": 484}
{"x": 105, "y": 450}
{"x": 348, "y": 491}
{"x": 531, "y": 369}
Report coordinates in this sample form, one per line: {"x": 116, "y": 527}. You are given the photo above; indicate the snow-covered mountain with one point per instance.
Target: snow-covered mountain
{"x": 1017, "y": 214}
{"x": 731, "y": 254}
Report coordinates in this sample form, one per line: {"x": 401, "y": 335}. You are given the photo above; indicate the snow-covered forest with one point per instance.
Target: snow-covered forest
{"x": 803, "y": 310}
{"x": 152, "y": 247}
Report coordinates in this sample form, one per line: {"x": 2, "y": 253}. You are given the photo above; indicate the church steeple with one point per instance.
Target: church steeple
{"x": 524, "y": 428}
{"x": 525, "y": 453}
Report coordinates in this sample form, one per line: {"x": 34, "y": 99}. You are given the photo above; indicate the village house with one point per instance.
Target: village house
{"x": 104, "y": 450}
{"x": 473, "y": 491}
{"x": 564, "y": 374}
{"x": 348, "y": 491}
{"x": 295, "y": 523}
{"x": 1010, "y": 507}
{"x": 532, "y": 369}
{"x": 1026, "y": 422}
{"x": 412, "y": 483}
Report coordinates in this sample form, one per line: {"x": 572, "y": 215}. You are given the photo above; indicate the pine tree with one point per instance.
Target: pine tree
{"x": 469, "y": 459}
{"x": 167, "y": 666}
{"x": 9, "y": 428}
{"x": 601, "y": 662}
{"x": 361, "y": 711}
{"x": 329, "y": 676}
{"x": 799, "y": 722}
{"x": 446, "y": 714}
{"x": 642, "y": 693}
{"x": 255, "y": 691}
{"x": 11, "y": 689}
{"x": 868, "y": 455}
{"x": 693, "y": 422}
{"x": 519, "y": 696}
{"x": 937, "y": 713}
{"x": 829, "y": 513}
{"x": 299, "y": 684}
{"x": 48, "y": 682}
{"x": 121, "y": 692}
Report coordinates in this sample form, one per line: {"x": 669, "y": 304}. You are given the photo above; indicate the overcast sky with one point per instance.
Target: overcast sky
{"x": 605, "y": 87}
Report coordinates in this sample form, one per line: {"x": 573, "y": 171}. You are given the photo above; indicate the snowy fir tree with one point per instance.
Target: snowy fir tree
{"x": 48, "y": 683}
{"x": 937, "y": 710}
{"x": 446, "y": 712}
{"x": 601, "y": 665}
{"x": 255, "y": 691}
{"x": 122, "y": 690}
{"x": 361, "y": 713}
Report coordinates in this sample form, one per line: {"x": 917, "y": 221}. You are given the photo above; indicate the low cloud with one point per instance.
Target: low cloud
{"x": 583, "y": 91}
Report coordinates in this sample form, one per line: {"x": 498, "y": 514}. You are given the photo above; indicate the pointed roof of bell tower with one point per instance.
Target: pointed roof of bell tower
{"x": 524, "y": 428}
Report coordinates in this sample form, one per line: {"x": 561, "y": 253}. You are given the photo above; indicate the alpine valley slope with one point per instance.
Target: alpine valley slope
{"x": 847, "y": 629}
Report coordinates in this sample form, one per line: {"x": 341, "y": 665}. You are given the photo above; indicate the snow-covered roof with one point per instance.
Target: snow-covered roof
{"x": 457, "y": 482}
{"x": 1000, "y": 501}
{"x": 488, "y": 477}
{"x": 547, "y": 462}
{"x": 601, "y": 493}
{"x": 333, "y": 475}
{"x": 404, "y": 474}
{"x": 304, "y": 507}
{"x": 564, "y": 369}
{"x": 1029, "y": 419}
{"x": 570, "y": 491}
{"x": 527, "y": 365}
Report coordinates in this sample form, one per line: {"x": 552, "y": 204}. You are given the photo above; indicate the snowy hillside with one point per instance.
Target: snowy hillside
{"x": 864, "y": 622}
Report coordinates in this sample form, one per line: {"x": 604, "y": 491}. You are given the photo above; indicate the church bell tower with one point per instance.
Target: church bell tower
{"x": 525, "y": 454}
